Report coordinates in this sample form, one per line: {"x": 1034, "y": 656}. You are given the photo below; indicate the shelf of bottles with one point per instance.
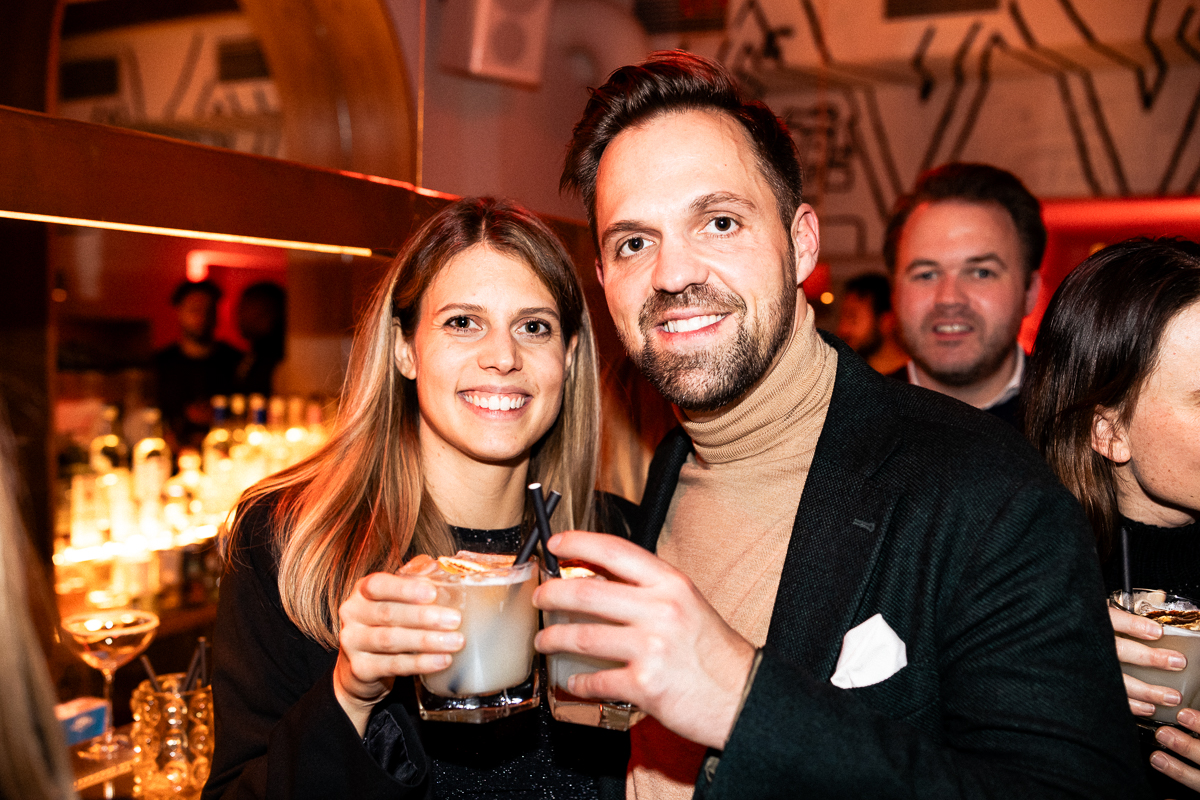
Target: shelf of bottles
{"x": 144, "y": 529}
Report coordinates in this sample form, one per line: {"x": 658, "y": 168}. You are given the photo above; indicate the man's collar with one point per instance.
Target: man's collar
{"x": 1010, "y": 390}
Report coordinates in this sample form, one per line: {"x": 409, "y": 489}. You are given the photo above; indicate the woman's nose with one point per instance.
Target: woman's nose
{"x": 500, "y": 351}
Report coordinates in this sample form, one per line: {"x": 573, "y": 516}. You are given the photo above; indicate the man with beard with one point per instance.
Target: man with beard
{"x": 964, "y": 250}
{"x": 853, "y": 587}
{"x": 867, "y": 323}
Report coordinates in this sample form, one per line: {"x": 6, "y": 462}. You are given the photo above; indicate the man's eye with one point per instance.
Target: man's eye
{"x": 631, "y": 246}
{"x": 723, "y": 224}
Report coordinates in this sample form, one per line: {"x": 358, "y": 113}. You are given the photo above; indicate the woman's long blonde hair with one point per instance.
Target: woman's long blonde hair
{"x": 33, "y": 754}
{"x": 360, "y": 504}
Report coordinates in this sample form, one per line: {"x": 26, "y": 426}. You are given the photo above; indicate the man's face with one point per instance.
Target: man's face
{"x": 858, "y": 326}
{"x": 197, "y": 314}
{"x": 960, "y": 289}
{"x": 700, "y": 274}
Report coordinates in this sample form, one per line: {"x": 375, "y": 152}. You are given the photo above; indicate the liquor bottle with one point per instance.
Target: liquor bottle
{"x": 318, "y": 432}
{"x": 296, "y": 434}
{"x": 108, "y": 451}
{"x": 217, "y": 461}
{"x": 279, "y": 454}
{"x": 183, "y": 495}
{"x": 237, "y": 417}
{"x": 250, "y": 456}
{"x": 151, "y": 469}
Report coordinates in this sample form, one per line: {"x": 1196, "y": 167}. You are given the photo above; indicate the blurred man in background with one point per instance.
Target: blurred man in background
{"x": 867, "y": 323}
{"x": 193, "y": 369}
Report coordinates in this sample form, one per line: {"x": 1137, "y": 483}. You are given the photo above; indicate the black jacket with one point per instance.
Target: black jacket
{"x": 947, "y": 523}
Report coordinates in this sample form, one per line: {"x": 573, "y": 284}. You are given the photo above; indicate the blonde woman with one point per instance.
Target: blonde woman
{"x": 473, "y": 373}
{"x": 33, "y": 755}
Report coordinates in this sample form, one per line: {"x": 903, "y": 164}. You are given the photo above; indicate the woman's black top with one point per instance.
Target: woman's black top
{"x": 280, "y": 732}
{"x": 1167, "y": 559}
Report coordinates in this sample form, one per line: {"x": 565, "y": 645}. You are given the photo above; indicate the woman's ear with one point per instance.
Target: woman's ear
{"x": 571, "y": 345}
{"x": 405, "y": 357}
{"x": 1109, "y": 437}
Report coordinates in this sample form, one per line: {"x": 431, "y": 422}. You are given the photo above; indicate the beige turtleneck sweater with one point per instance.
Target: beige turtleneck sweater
{"x": 730, "y": 521}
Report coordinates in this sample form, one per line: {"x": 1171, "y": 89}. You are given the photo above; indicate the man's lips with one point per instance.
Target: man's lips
{"x": 690, "y": 324}
{"x": 495, "y": 401}
{"x": 957, "y": 328}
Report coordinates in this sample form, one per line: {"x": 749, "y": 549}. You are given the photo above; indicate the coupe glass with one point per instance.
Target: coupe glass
{"x": 108, "y": 640}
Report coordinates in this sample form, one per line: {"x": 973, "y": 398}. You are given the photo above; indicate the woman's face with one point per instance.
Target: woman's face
{"x": 1158, "y": 451}
{"x": 488, "y": 357}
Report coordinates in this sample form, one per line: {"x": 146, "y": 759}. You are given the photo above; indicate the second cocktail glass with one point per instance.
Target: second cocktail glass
{"x": 566, "y": 707}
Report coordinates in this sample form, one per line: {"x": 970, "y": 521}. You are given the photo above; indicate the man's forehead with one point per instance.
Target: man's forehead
{"x": 696, "y": 145}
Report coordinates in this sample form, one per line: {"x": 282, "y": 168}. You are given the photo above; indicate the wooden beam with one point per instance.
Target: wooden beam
{"x": 76, "y": 169}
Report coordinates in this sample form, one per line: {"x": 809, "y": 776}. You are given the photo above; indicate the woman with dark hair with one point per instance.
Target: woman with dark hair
{"x": 1113, "y": 403}
{"x": 473, "y": 373}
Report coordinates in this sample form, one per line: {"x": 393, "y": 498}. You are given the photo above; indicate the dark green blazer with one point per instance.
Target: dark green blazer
{"x": 946, "y": 522}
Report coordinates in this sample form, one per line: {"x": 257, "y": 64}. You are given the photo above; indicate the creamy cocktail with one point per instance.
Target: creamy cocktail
{"x": 1180, "y": 619}
{"x": 565, "y": 706}
{"x": 492, "y": 676}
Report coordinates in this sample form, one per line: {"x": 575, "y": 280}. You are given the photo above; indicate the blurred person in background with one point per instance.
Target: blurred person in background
{"x": 262, "y": 321}
{"x": 190, "y": 371}
{"x": 964, "y": 251}
{"x": 34, "y": 763}
{"x": 867, "y": 323}
{"x": 1113, "y": 403}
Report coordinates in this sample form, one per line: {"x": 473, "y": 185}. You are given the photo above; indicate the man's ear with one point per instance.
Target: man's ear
{"x": 600, "y": 272}
{"x": 406, "y": 360}
{"x": 806, "y": 241}
{"x": 1032, "y": 291}
{"x": 1109, "y": 437}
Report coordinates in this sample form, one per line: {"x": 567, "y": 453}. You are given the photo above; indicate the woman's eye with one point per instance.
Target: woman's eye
{"x": 459, "y": 323}
{"x": 631, "y": 246}
{"x": 535, "y": 327}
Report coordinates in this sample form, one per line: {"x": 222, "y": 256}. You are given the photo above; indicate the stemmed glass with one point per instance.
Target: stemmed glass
{"x": 108, "y": 640}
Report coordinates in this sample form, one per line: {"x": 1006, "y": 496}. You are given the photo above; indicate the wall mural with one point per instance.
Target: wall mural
{"x": 1079, "y": 99}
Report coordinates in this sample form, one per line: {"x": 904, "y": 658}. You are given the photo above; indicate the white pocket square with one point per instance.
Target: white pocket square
{"x": 871, "y": 653}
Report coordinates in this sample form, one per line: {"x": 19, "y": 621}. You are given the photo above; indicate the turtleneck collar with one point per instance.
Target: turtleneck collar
{"x": 795, "y": 390}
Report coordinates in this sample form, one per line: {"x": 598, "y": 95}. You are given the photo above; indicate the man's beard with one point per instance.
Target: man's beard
{"x": 995, "y": 347}
{"x": 708, "y": 379}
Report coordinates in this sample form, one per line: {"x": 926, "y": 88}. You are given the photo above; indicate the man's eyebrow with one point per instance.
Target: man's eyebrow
{"x": 624, "y": 226}
{"x": 988, "y": 257}
{"x": 721, "y": 198}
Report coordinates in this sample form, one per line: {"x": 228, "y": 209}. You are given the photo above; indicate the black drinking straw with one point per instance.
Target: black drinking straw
{"x": 153, "y": 675}
{"x": 1126, "y": 570}
{"x": 191, "y": 673}
{"x": 203, "y": 662}
{"x": 535, "y": 534}
{"x": 543, "y": 526}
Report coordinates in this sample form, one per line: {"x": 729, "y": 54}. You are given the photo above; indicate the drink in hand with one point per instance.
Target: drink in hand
{"x": 492, "y": 676}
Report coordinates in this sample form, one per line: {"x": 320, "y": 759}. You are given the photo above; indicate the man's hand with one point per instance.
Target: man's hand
{"x": 1184, "y": 745}
{"x": 390, "y": 627}
{"x": 1143, "y": 697}
{"x": 685, "y": 666}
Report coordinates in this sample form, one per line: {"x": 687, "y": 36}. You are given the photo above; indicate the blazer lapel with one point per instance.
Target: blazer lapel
{"x": 663, "y": 477}
{"x": 840, "y": 523}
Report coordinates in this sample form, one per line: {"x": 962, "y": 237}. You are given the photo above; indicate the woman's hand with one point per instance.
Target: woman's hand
{"x": 390, "y": 627}
{"x": 1143, "y": 697}
{"x": 1184, "y": 745}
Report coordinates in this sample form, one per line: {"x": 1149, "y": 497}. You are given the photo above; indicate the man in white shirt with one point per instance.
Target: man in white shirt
{"x": 964, "y": 250}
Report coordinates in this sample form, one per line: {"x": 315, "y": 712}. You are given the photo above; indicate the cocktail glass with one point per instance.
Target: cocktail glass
{"x": 567, "y": 707}
{"x": 108, "y": 639}
{"x": 1183, "y": 640}
{"x": 492, "y": 676}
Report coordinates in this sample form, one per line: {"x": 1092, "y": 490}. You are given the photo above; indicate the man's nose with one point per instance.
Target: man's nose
{"x": 499, "y": 351}
{"x": 950, "y": 291}
{"x": 678, "y": 266}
